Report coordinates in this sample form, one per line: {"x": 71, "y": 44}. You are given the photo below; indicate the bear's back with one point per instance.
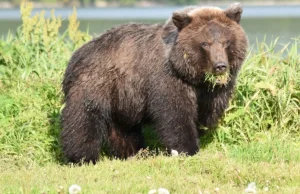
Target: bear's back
{"x": 136, "y": 49}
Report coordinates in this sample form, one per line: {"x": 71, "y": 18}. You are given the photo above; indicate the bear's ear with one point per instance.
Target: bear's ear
{"x": 234, "y": 12}
{"x": 181, "y": 19}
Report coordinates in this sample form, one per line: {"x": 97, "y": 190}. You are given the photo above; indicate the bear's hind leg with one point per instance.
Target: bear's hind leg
{"x": 83, "y": 134}
{"x": 125, "y": 143}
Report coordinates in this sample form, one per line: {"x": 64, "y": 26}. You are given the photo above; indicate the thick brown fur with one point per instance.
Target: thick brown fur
{"x": 139, "y": 73}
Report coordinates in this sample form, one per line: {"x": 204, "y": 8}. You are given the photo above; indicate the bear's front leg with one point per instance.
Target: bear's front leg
{"x": 175, "y": 121}
{"x": 178, "y": 132}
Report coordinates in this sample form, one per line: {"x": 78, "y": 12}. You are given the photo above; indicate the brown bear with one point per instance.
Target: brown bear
{"x": 139, "y": 73}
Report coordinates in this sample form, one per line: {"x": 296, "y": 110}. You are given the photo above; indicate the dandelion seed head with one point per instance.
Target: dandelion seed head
{"x": 174, "y": 153}
{"x": 153, "y": 191}
{"x": 217, "y": 190}
{"x": 251, "y": 188}
{"x": 159, "y": 191}
{"x": 163, "y": 190}
{"x": 74, "y": 189}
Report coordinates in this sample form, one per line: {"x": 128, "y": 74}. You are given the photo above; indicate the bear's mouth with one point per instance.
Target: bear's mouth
{"x": 217, "y": 79}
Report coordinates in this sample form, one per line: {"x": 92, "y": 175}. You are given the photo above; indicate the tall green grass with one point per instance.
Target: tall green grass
{"x": 32, "y": 63}
{"x": 261, "y": 124}
{"x": 267, "y": 97}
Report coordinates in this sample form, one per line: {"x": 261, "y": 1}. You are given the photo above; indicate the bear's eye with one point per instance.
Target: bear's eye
{"x": 204, "y": 44}
{"x": 227, "y": 43}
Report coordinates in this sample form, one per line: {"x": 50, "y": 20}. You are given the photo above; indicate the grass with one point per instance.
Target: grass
{"x": 256, "y": 141}
{"x": 214, "y": 80}
{"x": 204, "y": 172}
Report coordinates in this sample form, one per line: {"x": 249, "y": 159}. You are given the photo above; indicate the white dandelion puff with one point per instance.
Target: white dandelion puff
{"x": 217, "y": 190}
{"x": 174, "y": 153}
{"x": 153, "y": 191}
{"x": 74, "y": 189}
{"x": 163, "y": 190}
{"x": 159, "y": 191}
{"x": 251, "y": 188}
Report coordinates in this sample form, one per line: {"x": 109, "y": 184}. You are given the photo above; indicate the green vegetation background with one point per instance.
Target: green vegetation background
{"x": 257, "y": 140}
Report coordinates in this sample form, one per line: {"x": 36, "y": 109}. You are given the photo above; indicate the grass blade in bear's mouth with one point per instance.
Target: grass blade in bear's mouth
{"x": 222, "y": 79}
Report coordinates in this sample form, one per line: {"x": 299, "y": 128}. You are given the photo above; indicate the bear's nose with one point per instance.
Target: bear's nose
{"x": 220, "y": 67}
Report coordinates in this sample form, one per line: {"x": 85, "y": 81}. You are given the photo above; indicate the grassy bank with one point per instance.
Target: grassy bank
{"x": 204, "y": 172}
{"x": 258, "y": 139}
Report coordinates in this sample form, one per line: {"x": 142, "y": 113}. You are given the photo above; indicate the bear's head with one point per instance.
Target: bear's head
{"x": 205, "y": 40}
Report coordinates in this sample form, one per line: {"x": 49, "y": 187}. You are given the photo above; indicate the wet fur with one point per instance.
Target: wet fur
{"x": 137, "y": 73}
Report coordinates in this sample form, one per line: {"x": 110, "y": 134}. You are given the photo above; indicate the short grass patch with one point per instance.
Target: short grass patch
{"x": 204, "y": 172}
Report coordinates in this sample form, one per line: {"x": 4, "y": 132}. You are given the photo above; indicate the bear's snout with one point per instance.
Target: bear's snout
{"x": 220, "y": 67}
